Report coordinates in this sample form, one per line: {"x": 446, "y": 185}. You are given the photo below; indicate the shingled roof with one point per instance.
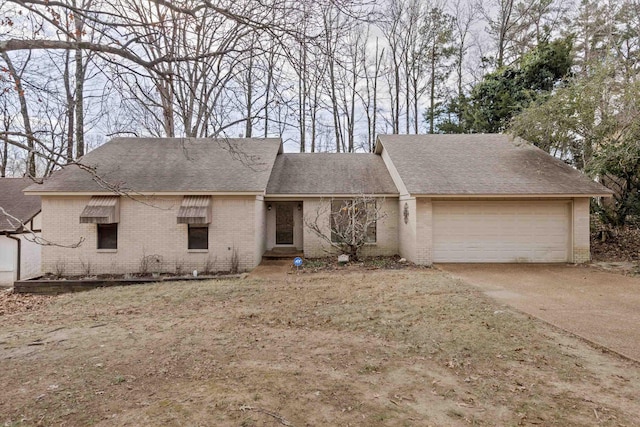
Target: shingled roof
{"x": 330, "y": 173}
{"x": 171, "y": 165}
{"x": 13, "y": 201}
{"x": 481, "y": 164}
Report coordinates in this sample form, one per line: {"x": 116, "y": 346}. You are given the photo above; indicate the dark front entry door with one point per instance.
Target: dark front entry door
{"x": 284, "y": 224}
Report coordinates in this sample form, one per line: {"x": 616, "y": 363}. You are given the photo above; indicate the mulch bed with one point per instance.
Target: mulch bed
{"x": 368, "y": 263}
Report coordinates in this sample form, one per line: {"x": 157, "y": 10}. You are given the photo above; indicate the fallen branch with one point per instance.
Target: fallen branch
{"x": 278, "y": 417}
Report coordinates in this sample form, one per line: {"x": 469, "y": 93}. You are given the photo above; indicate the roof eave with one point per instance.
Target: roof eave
{"x": 511, "y": 195}
{"x": 326, "y": 195}
{"x": 145, "y": 193}
{"x": 20, "y": 229}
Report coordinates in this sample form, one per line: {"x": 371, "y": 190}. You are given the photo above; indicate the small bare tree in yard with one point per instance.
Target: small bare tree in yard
{"x": 352, "y": 223}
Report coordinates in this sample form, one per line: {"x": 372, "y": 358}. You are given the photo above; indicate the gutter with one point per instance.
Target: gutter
{"x": 19, "y": 242}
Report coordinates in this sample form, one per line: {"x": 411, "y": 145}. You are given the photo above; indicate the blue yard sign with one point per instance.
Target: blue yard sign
{"x": 297, "y": 261}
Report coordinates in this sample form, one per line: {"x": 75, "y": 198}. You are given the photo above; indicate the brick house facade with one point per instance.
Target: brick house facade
{"x": 178, "y": 205}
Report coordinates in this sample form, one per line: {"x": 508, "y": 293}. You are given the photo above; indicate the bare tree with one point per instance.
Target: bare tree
{"x": 464, "y": 17}
{"x": 351, "y": 222}
{"x": 24, "y": 111}
{"x": 371, "y": 73}
{"x": 6, "y": 126}
{"x": 392, "y": 28}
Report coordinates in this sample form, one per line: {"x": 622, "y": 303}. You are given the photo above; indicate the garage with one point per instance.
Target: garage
{"x": 502, "y": 231}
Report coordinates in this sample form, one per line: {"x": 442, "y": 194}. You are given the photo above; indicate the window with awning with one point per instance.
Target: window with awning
{"x": 195, "y": 210}
{"x": 101, "y": 210}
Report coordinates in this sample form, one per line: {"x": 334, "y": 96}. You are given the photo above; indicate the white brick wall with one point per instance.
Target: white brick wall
{"x": 416, "y": 235}
{"x": 407, "y": 231}
{"x": 387, "y": 229}
{"x": 238, "y": 223}
{"x": 424, "y": 232}
{"x": 581, "y": 230}
{"x": 261, "y": 229}
{"x": 149, "y": 227}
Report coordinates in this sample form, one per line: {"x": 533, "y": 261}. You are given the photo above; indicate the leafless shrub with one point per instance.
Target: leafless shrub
{"x": 60, "y": 268}
{"x": 179, "y": 267}
{"x": 86, "y": 266}
{"x": 209, "y": 265}
{"x": 347, "y": 224}
{"x": 151, "y": 263}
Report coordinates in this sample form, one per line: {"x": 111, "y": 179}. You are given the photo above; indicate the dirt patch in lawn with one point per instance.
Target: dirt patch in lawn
{"x": 364, "y": 348}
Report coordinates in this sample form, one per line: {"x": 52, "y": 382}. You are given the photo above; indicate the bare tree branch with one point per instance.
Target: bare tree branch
{"x": 32, "y": 236}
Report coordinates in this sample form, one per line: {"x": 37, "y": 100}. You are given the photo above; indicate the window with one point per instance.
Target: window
{"x": 198, "y": 236}
{"x": 108, "y": 236}
{"x": 353, "y": 220}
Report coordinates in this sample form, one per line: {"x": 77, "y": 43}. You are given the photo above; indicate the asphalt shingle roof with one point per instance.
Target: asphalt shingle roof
{"x": 171, "y": 165}
{"x": 482, "y": 164}
{"x": 330, "y": 173}
{"x": 16, "y": 203}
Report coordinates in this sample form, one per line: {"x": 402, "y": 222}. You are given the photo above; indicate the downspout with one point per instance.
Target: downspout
{"x": 19, "y": 253}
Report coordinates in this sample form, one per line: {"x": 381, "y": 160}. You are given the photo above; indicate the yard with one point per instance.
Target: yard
{"x": 370, "y": 347}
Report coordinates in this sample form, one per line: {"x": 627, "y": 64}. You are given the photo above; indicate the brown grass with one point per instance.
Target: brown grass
{"x": 371, "y": 348}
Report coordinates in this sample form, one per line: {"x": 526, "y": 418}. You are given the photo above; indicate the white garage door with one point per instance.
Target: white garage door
{"x": 535, "y": 231}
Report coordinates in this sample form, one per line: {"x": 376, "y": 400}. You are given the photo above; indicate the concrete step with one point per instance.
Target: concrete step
{"x": 282, "y": 253}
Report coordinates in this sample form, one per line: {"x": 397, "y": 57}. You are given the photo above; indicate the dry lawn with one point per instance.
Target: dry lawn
{"x": 412, "y": 347}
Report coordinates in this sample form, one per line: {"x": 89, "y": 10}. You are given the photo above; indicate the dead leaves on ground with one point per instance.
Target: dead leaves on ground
{"x": 11, "y": 303}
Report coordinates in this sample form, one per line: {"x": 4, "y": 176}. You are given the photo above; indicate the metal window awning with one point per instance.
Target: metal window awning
{"x": 195, "y": 210}
{"x": 101, "y": 210}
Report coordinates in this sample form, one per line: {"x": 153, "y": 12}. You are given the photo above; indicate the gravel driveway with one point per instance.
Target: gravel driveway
{"x": 599, "y": 306}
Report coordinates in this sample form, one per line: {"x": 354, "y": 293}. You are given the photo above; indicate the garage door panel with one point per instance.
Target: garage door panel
{"x": 537, "y": 231}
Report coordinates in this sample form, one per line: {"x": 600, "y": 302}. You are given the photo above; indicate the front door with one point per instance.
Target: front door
{"x": 284, "y": 223}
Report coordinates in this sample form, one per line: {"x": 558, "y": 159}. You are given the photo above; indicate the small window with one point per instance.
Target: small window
{"x": 107, "y": 236}
{"x": 198, "y": 236}
{"x": 352, "y": 218}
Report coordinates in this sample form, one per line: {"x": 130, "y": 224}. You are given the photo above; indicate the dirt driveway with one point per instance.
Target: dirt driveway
{"x": 602, "y": 307}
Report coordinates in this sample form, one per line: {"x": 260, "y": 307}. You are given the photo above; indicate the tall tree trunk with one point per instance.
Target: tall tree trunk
{"x": 165, "y": 90}
{"x": 334, "y": 103}
{"x": 70, "y": 108}
{"x": 314, "y": 114}
{"x": 407, "y": 92}
{"x": 432, "y": 89}
{"x": 396, "y": 113}
{"x": 79, "y": 104}
{"x": 79, "y": 101}
{"x": 5, "y": 145}
{"x": 415, "y": 105}
{"x": 506, "y": 9}
{"x": 375, "y": 95}
{"x": 302, "y": 97}
{"x": 5, "y": 154}
{"x": 313, "y": 111}
{"x": 270, "y": 66}
{"x": 248, "y": 129}
{"x": 352, "y": 102}
{"x": 24, "y": 111}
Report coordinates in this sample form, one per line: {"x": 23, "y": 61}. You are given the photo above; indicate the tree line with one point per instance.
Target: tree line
{"x": 324, "y": 75}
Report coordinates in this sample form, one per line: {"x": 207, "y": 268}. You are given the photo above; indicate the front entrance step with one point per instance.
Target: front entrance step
{"x": 282, "y": 253}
